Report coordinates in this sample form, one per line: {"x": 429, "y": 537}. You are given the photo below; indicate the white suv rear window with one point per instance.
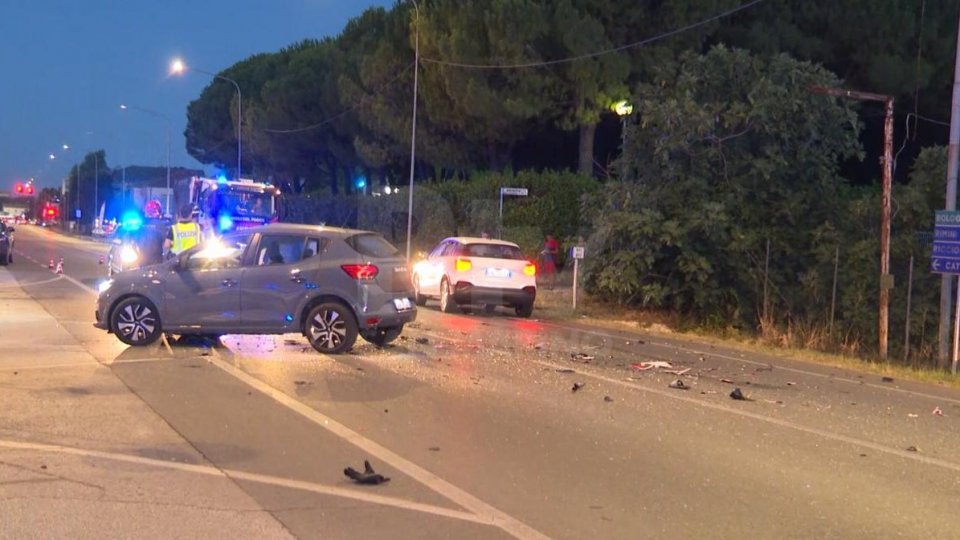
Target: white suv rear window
{"x": 493, "y": 251}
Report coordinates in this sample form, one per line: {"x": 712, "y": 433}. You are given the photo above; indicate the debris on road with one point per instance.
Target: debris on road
{"x": 539, "y": 346}
{"x": 434, "y": 449}
{"x": 566, "y": 370}
{"x": 292, "y": 341}
{"x": 653, "y": 364}
{"x": 44, "y": 467}
{"x": 887, "y": 379}
{"x": 791, "y": 383}
{"x": 912, "y": 449}
{"x": 577, "y": 386}
{"x": 679, "y": 385}
{"x": 677, "y": 372}
{"x": 937, "y": 411}
{"x": 608, "y": 399}
{"x": 368, "y": 476}
{"x": 581, "y": 357}
{"x": 911, "y": 415}
{"x": 738, "y": 395}
{"x": 422, "y": 341}
{"x": 300, "y": 383}
{"x": 728, "y": 381}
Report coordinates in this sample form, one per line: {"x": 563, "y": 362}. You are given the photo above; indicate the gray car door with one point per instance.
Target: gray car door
{"x": 204, "y": 289}
{"x": 278, "y": 280}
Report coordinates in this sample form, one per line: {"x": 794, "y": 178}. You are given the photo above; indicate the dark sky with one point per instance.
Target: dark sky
{"x": 67, "y": 65}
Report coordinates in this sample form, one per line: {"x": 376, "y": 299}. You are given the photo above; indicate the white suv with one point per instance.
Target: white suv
{"x": 480, "y": 271}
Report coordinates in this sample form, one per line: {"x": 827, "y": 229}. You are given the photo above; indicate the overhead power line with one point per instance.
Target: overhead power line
{"x": 344, "y": 112}
{"x": 621, "y": 48}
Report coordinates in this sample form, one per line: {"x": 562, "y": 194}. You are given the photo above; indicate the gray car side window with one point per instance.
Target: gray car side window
{"x": 280, "y": 249}
{"x": 314, "y": 247}
{"x": 225, "y": 252}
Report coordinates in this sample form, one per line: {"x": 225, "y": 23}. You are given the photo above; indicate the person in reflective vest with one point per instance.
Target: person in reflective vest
{"x": 185, "y": 233}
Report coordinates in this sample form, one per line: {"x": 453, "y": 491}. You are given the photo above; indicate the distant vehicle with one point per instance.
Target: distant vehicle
{"x": 462, "y": 271}
{"x": 6, "y": 243}
{"x": 229, "y": 205}
{"x": 328, "y": 284}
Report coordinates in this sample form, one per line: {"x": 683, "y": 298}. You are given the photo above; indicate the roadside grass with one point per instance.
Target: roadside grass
{"x": 557, "y": 304}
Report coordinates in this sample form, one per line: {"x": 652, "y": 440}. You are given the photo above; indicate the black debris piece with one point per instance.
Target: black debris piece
{"x": 679, "y": 385}
{"x": 912, "y": 449}
{"x": 887, "y": 379}
{"x": 422, "y": 340}
{"x": 738, "y": 395}
{"x": 566, "y": 370}
{"x": 577, "y": 386}
{"x": 581, "y": 357}
{"x": 299, "y": 383}
{"x": 608, "y": 399}
{"x": 368, "y": 476}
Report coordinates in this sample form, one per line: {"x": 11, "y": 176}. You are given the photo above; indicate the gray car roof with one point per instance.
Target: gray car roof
{"x": 298, "y": 228}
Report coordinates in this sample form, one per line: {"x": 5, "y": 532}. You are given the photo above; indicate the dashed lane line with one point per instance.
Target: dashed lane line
{"x": 228, "y": 474}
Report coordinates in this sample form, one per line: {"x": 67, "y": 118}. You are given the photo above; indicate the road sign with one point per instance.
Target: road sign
{"x": 578, "y": 252}
{"x": 946, "y": 243}
{"x": 515, "y": 191}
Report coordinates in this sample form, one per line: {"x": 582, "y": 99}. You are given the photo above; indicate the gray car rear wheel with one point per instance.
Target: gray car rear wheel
{"x": 331, "y": 328}
{"x": 136, "y": 321}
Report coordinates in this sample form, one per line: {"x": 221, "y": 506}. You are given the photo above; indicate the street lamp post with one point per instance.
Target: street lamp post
{"x": 167, "y": 120}
{"x": 178, "y": 67}
{"x": 413, "y": 129}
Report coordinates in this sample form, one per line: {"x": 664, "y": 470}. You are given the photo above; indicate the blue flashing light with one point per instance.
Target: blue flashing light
{"x": 225, "y": 222}
{"x": 288, "y": 318}
{"x": 131, "y": 220}
{"x": 361, "y": 182}
{"x": 222, "y": 179}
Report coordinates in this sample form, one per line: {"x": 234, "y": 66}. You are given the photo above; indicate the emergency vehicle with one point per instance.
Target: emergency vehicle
{"x": 228, "y": 205}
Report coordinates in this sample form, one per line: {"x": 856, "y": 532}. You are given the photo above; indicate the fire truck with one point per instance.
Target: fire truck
{"x": 228, "y": 205}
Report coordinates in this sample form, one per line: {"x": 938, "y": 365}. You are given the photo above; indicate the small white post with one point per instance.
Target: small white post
{"x": 575, "y": 265}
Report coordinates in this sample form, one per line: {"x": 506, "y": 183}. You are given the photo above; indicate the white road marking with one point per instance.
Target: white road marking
{"x": 858, "y": 382}
{"x": 672, "y": 394}
{"x": 229, "y": 474}
{"x": 488, "y": 513}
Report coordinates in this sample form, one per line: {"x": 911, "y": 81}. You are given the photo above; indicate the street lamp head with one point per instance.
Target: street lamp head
{"x": 622, "y": 108}
{"x": 177, "y": 67}
{"x": 51, "y": 156}
{"x": 123, "y": 107}
{"x": 66, "y": 147}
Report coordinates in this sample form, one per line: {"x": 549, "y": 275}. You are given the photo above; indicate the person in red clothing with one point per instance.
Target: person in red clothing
{"x": 551, "y": 248}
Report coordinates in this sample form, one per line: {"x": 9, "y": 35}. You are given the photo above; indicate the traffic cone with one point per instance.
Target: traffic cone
{"x": 60, "y": 266}
{"x": 50, "y": 264}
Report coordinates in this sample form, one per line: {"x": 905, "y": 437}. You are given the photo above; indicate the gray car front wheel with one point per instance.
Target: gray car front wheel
{"x": 136, "y": 321}
{"x": 331, "y": 328}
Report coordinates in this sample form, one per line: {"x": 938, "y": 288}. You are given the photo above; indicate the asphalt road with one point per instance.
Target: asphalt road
{"x": 474, "y": 418}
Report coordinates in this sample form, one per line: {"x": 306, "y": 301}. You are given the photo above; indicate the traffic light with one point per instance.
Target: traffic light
{"x": 18, "y": 188}
{"x": 29, "y": 189}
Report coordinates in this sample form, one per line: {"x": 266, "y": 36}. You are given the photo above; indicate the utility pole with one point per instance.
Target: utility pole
{"x": 886, "y": 279}
{"x": 953, "y": 162}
